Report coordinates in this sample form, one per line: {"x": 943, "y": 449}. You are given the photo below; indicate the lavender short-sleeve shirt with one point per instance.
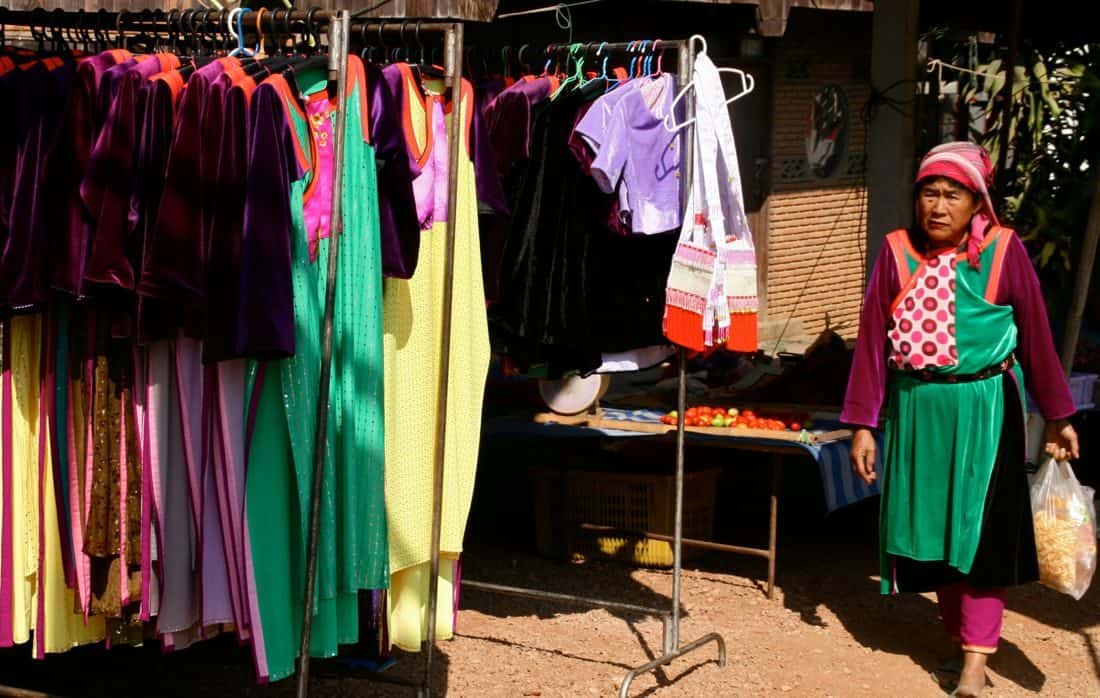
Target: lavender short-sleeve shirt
{"x": 636, "y": 155}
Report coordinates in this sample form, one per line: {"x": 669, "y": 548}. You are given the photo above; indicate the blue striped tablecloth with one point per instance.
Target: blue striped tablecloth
{"x": 840, "y": 484}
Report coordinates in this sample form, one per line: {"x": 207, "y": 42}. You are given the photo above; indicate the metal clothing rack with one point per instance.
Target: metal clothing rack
{"x": 670, "y": 619}
{"x": 207, "y": 24}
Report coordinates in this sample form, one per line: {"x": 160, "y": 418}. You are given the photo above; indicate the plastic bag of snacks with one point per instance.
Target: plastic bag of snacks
{"x": 1065, "y": 529}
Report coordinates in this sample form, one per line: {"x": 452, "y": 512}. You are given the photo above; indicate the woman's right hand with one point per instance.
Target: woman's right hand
{"x": 863, "y": 454}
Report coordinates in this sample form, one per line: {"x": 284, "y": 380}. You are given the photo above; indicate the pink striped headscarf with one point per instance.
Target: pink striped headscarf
{"x": 969, "y": 165}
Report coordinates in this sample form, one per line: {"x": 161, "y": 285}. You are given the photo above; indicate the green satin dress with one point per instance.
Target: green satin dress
{"x": 943, "y": 439}
{"x": 353, "y": 549}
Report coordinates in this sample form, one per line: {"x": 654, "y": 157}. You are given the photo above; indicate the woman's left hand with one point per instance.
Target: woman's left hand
{"x": 1061, "y": 440}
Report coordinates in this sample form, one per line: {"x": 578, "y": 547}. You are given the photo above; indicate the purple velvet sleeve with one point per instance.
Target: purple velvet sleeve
{"x": 69, "y": 241}
{"x": 490, "y": 190}
{"x": 265, "y": 310}
{"x": 172, "y": 268}
{"x": 106, "y": 189}
{"x": 508, "y": 126}
{"x": 1043, "y": 374}
{"x": 224, "y": 240}
{"x": 154, "y": 138}
{"x": 110, "y": 179}
{"x": 867, "y": 380}
{"x": 400, "y": 227}
{"x": 23, "y": 256}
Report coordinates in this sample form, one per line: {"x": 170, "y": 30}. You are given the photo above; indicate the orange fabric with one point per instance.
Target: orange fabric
{"x": 168, "y": 61}
{"x": 1003, "y": 238}
{"x": 357, "y": 78}
{"x": 291, "y": 103}
{"x": 899, "y": 244}
{"x": 907, "y": 287}
{"x": 744, "y": 333}
{"x": 174, "y": 80}
{"x": 684, "y": 328}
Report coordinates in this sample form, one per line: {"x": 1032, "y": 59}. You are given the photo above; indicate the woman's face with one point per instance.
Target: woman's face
{"x": 944, "y": 210}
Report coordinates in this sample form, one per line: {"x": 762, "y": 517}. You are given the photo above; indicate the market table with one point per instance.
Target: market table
{"x": 829, "y": 447}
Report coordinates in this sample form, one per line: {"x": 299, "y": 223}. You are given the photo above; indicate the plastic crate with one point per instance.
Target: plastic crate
{"x": 1082, "y": 385}
{"x": 627, "y": 501}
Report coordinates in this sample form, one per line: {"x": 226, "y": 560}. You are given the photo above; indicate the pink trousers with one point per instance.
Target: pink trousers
{"x": 972, "y": 616}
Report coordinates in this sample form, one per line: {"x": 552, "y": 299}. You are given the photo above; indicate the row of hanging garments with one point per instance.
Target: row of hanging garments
{"x": 164, "y": 221}
{"x": 591, "y": 161}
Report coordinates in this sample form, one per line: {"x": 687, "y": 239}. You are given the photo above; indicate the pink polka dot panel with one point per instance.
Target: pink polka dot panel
{"x": 923, "y": 323}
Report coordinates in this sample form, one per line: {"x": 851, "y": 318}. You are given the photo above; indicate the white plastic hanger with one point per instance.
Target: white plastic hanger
{"x": 748, "y": 84}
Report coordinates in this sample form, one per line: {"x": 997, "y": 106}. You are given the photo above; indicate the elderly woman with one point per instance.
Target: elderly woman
{"x": 953, "y": 327}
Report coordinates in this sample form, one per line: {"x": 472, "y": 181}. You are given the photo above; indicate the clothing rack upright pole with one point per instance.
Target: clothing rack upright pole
{"x": 339, "y": 32}
{"x": 671, "y": 648}
{"x": 338, "y": 72}
{"x": 453, "y": 51}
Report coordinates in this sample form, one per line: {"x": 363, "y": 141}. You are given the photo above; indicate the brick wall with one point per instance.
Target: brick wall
{"x": 816, "y": 244}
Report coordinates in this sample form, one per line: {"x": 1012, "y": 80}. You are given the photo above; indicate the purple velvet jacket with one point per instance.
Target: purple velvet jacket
{"x": 1019, "y": 288}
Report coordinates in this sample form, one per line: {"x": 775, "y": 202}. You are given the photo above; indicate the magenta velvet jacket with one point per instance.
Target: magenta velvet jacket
{"x": 1019, "y": 288}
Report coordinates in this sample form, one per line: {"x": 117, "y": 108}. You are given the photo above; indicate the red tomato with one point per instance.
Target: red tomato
{"x": 748, "y": 414}
{"x": 721, "y": 411}
{"x": 691, "y": 412}
{"x": 795, "y": 426}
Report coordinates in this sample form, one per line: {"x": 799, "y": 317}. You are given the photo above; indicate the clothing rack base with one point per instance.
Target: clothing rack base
{"x": 672, "y": 649}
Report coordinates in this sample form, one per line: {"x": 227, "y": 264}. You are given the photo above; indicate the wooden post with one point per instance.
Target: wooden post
{"x": 1081, "y": 286}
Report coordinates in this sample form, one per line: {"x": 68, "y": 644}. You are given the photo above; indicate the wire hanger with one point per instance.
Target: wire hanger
{"x": 748, "y": 84}
{"x": 935, "y": 65}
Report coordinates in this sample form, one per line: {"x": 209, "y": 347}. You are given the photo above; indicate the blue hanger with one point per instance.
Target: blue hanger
{"x": 241, "y": 48}
{"x": 633, "y": 61}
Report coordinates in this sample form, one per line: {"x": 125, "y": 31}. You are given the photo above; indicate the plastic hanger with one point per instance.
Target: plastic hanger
{"x": 748, "y": 84}
{"x": 382, "y": 42}
{"x": 367, "y": 54}
{"x": 523, "y": 66}
{"x": 585, "y": 80}
{"x": 612, "y": 81}
{"x": 576, "y": 53}
{"x": 311, "y": 37}
{"x": 643, "y": 57}
{"x": 237, "y": 14}
{"x": 631, "y": 48}
{"x": 427, "y": 68}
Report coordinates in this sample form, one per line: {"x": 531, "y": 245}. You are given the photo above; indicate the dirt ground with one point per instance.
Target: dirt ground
{"x": 827, "y": 632}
